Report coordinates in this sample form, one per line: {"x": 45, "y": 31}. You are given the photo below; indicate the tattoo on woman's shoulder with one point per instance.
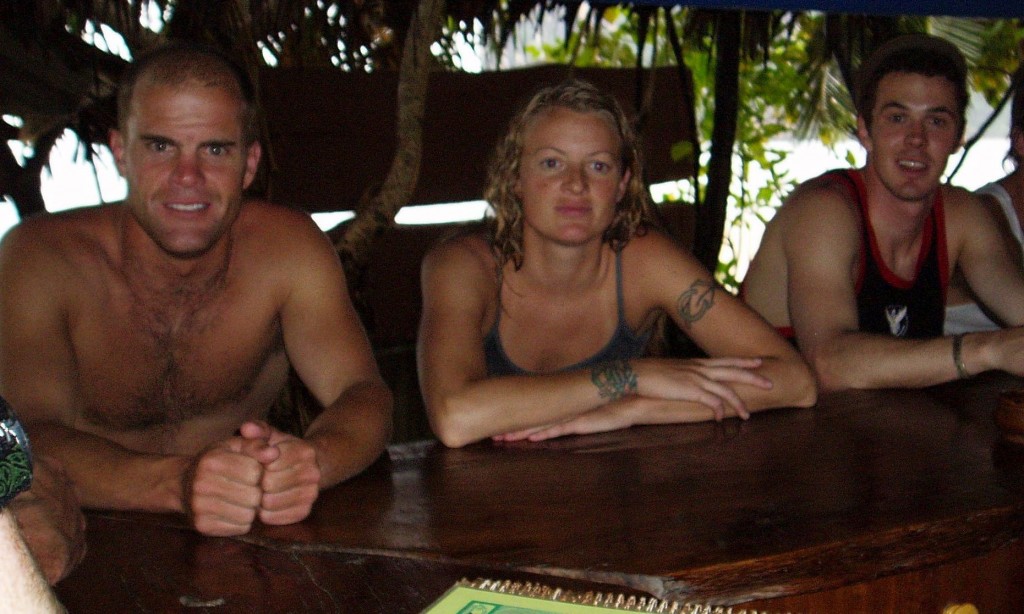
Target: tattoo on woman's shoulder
{"x": 614, "y": 380}
{"x": 696, "y": 301}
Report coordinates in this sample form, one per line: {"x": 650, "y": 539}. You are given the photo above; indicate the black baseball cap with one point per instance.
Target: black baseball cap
{"x": 890, "y": 56}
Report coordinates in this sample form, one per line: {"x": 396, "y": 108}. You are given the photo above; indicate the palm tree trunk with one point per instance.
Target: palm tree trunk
{"x": 398, "y": 186}
{"x": 710, "y": 223}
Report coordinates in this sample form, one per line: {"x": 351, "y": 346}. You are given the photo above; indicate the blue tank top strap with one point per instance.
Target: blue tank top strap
{"x": 619, "y": 300}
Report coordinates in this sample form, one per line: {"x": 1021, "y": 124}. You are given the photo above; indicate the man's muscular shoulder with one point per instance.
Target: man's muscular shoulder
{"x": 51, "y": 249}
{"x": 278, "y": 235}
{"x": 822, "y": 192}
{"x": 58, "y": 232}
{"x": 969, "y": 215}
{"x": 262, "y": 220}
{"x": 817, "y": 209}
{"x": 957, "y": 202}
{"x": 819, "y": 225}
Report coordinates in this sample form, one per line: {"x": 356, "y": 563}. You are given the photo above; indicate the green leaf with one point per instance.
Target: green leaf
{"x": 682, "y": 150}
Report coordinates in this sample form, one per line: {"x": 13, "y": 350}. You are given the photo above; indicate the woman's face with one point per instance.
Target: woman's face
{"x": 570, "y": 176}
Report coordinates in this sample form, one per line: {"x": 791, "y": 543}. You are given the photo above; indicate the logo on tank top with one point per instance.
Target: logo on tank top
{"x": 898, "y": 319}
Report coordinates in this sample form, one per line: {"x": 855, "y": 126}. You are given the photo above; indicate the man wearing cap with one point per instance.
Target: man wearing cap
{"x": 855, "y": 265}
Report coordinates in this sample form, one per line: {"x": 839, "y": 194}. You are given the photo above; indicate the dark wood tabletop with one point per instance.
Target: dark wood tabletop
{"x": 863, "y": 486}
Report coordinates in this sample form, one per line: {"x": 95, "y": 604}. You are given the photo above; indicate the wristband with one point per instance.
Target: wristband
{"x": 958, "y": 358}
{"x": 15, "y": 456}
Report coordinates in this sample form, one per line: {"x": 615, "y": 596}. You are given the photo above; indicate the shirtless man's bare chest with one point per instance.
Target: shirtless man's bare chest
{"x": 170, "y": 366}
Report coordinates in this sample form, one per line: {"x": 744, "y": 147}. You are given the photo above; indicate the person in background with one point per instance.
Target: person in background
{"x": 855, "y": 264}
{"x": 23, "y": 588}
{"x": 144, "y": 342}
{"x": 539, "y": 328}
{"x": 963, "y": 314}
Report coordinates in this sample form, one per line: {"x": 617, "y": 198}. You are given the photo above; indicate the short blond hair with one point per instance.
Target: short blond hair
{"x": 179, "y": 62}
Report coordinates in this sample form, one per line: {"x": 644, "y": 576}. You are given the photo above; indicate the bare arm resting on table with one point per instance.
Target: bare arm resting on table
{"x": 329, "y": 350}
{"x": 989, "y": 257}
{"x": 465, "y": 405}
{"x": 821, "y": 249}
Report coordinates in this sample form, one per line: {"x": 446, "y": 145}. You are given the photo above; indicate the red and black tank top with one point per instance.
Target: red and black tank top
{"x": 887, "y": 303}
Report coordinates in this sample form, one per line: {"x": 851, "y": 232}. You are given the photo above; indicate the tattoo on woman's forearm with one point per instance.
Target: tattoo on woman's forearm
{"x": 696, "y": 301}
{"x": 614, "y": 380}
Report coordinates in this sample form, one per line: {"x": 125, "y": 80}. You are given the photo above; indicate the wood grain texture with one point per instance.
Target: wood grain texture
{"x": 868, "y": 493}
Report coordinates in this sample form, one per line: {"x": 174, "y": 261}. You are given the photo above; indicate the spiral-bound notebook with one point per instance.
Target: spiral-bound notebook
{"x": 507, "y": 597}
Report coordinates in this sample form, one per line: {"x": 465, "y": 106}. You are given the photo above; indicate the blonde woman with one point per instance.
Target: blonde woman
{"x": 538, "y": 328}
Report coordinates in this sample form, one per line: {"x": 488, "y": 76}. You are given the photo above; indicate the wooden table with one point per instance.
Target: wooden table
{"x": 877, "y": 501}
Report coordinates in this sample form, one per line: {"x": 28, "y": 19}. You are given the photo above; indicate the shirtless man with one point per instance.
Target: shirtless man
{"x": 855, "y": 264}
{"x": 144, "y": 342}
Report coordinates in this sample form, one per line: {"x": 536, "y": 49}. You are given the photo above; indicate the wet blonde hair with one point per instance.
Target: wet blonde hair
{"x": 631, "y": 212}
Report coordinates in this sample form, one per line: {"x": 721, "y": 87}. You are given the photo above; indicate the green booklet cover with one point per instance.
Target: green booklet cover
{"x": 468, "y": 600}
{"x": 504, "y": 597}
